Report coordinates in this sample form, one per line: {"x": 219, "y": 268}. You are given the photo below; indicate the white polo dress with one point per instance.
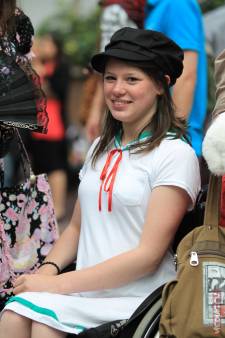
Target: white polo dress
{"x": 105, "y": 234}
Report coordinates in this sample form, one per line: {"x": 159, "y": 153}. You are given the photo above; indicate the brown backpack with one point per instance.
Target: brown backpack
{"x": 194, "y": 303}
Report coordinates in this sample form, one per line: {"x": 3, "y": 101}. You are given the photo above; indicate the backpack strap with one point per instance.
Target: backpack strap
{"x": 212, "y": 208}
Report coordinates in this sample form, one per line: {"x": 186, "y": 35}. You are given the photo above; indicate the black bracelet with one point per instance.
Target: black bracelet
{"x": 54, "y": 264}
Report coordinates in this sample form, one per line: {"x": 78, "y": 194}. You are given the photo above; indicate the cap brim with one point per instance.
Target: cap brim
{"x": 98, "y": 61}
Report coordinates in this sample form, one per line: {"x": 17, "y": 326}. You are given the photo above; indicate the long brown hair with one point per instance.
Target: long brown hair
{"x": 163, "y": 121}
{"x": 7, "y": 15}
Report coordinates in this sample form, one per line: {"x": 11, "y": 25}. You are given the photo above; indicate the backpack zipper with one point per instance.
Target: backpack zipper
{"x": 194, "y": 255}
{"x": 194, "y": 258}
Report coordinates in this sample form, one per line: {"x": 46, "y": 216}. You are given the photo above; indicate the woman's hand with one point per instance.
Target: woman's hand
{"x": 36, "y": 283}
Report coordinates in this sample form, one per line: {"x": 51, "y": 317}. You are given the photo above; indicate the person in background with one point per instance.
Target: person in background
{"x": 138, "y": 180}
{"x": 115, "y": 15}
{"x": 49, "y": 152}
{"x": 182, "y": 22}
{"x": 22, "y": 101}
{"x": 214, "y": 24}
{"x": 213, "y": 143}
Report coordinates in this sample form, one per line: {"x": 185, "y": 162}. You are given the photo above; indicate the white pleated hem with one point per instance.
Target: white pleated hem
{"x": 43, "y": 319}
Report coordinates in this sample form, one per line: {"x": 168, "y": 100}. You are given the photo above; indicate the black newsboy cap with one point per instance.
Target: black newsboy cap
{"x": 144, "y": 47}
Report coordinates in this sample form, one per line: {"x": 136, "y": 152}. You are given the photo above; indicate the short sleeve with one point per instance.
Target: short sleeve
{"x": 176, "y": 164}
{"x": 88, "y": 159}
{"x": 186, "y": 30}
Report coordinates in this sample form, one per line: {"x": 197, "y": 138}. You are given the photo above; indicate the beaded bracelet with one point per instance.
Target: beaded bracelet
{"x": 54, "y": 264}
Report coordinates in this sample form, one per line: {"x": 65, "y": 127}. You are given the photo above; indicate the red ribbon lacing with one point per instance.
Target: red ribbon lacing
{"x": 108, "y": 182}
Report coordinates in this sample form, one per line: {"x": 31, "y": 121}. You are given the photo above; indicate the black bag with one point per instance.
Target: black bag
{"x": 106, "y": 330}
{"x": 191, "y": 219}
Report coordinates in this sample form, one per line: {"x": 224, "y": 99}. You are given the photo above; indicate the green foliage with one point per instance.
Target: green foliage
{"x": 208, "y": 5}
{"x": 78, "y": 34}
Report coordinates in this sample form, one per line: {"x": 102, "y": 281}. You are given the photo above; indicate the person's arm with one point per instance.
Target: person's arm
{"x": 166, "y": 208}
{"x": 187, "y": 33}
{"x": 98, "y": 107}
{"x": 93, "y": 124}
{"x": 184, "y": 88}
{"x": 163, "y": 218}
{"x": 64, "y": 251}
{"x": 220, "y": 84}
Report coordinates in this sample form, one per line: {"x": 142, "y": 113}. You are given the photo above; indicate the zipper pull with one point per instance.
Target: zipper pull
{"x": 194, "y": 259}
{"x": 175, "y": 261}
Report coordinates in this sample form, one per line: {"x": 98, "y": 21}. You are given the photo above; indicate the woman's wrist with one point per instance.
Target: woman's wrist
{"x": 49, "y": 267}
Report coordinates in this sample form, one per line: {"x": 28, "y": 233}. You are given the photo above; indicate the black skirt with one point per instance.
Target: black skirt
{"x": 48, "y": 156}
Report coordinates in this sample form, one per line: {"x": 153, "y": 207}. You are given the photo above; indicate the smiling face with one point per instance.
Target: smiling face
{"x": 130, "y": 94}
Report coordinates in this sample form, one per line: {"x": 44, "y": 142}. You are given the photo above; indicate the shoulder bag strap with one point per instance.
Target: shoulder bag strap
{"x": 27, "y": 169}
{"x": 212, "y": 208}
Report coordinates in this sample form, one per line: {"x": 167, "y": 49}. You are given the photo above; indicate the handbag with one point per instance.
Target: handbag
{"x": 194, "y": 304}
{"x": 28, "y": 226}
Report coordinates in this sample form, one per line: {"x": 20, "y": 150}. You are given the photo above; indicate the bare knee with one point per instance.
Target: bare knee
{"x": 42, "y": 330}
{"x": 11, "y": 319}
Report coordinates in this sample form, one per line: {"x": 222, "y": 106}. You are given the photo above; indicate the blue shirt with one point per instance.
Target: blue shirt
{"x": 181, "y": 20}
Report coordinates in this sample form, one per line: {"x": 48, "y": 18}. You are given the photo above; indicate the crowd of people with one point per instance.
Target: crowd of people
{"x": 145, "y": 124}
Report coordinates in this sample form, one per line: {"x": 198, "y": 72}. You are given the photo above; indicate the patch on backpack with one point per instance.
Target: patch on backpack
{"x": 214, "y": 295}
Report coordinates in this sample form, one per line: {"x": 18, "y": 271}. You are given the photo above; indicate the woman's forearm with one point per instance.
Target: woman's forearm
{"x": 112, "y": 273}
{"x": 64, "y": 250}
{"x": 184, "y": 88}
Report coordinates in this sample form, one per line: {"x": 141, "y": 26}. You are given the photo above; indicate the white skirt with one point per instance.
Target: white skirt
{"x": 72, "y": 313}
